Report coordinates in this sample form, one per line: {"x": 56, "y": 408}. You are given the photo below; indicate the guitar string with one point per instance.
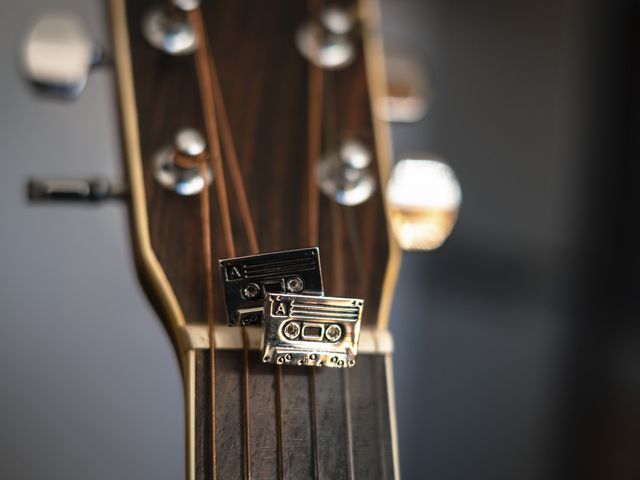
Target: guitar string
{"x": 347, "y": 409}
{"x": 205, "y": 216}
{"x": 318, "y": 84}
{"x": 344, "y": 223}
{"x": 338, "y": 272}
{"x": 316, "y": 101}
{"x": 380, "y": 421}
{"x": 239, "y": 188}
{"x": 314, "y": 134}
{"x": 243, "y": 204}
{"x": 212, "y": 136}
{"x": 204, "y": 73}
{"x": 203, "y": 68}
{"x": 338, "y": 220}
{"x": 234, "y": 166}
{"x": 315, "y": 129}
{"x": 280, "y": 420}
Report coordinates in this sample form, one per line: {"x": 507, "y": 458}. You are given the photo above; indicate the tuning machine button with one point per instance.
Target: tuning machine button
{"x": 326, "y": 41}
{"x": 423, "y": 197}
{"x": 69, "y": 190}
{"x": 58, "y": 55}
{"x": 167, "y": 28}
{"x": 409, "y": 89}
{"x": 344, "y": 175}
{"x": 177, "y": 166}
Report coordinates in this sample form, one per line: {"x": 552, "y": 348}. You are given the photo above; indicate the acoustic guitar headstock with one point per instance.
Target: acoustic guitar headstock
{"x": 282, "y": 104}
{"x": 277, "y": 129}
{"x": 286, "y": 108}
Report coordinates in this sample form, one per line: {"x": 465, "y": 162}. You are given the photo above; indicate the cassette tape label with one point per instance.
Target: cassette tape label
{"x": 279, "y": 309}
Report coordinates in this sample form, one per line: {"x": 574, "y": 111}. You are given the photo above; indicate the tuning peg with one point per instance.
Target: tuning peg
{"x": 58, "y": 54}
{"x": 326, "y": 40}
{"x": 82, "y": 190}
{"x": 423, "y": 197}
{"x": 344, "y": 174}
{"x": 167, "y": 28}
{"x": 409, "y": 90}
{"x": 177, "y": 166}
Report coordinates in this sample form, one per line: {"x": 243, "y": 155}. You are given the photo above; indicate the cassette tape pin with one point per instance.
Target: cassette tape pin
{"x": 249, "y": 280}
{"x": 308, "y": 330}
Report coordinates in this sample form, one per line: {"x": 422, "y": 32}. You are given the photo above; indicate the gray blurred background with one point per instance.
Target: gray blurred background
{"x": 517, "y": 344}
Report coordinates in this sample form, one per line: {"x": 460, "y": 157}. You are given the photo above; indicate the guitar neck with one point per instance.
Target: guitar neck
{"x": 284, "y": 440}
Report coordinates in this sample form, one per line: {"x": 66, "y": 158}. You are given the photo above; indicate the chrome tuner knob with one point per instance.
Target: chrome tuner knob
{"x": 167, "y": 28}
{"x": 73, "y": 190}
{"x": 344, "y": 174}
{"x": 58, "y": 54}
{"x": 177, "y": 167}
{"x": 423, "y": 197}
{"x": 409, "y": 90}
{"x": 326, "y": 41}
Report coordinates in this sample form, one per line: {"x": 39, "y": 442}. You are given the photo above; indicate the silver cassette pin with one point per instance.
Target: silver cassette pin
{"x": 249, "y": 280}
{"x": 311, "y": 330}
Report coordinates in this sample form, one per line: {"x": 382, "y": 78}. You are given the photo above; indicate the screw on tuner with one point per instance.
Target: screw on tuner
{"x": 345, "y": 176}
{"x": 326, "y": 41}
{"x": 177, "y": 166}
{"x": 167, "y": 27}
{"x": 70, "y": 190}
{"x": 58, "y": 55}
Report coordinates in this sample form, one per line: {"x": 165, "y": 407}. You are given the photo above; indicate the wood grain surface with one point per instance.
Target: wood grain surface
{"x": 264, "y": 82}
{"x": 364, "y": 400}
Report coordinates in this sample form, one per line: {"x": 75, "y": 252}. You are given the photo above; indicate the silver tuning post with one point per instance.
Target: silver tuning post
{"x": 74, "y": 190}
{"x": 311, "y": 331}
{"x": 167, "y": 28}
{"x": 177, "y": 166}
{"x": 344, "y": 175}
{"x": 58, "y": 55}
{"x": 423, "y": 198}
{"x": 249, "y": 280}
{"x": 327, "y": 41}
